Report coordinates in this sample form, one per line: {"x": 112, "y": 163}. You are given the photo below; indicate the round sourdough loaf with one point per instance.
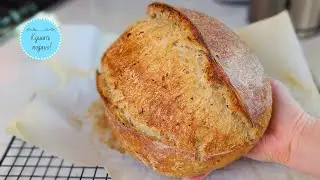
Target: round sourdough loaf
{"x": 183, "y": 93}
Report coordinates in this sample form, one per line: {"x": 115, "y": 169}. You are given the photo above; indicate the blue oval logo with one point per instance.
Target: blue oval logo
{"x": 40, "y": 38}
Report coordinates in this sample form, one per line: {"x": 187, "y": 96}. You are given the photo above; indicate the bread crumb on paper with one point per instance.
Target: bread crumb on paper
{"x": 102, "y": 128}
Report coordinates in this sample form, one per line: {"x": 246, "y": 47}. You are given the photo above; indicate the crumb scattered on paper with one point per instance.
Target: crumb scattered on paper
{"x": 103, "y": 127}
{"x": 291, "y": 80}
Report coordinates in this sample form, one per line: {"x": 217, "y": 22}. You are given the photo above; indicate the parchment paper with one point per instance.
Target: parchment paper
{"x": 278, "y": 48}
{"x": 311, "y": 48}
{"x": 53, "y": 109}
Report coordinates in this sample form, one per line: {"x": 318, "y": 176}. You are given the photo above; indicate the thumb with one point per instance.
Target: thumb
{"x": 286, "y": 114}
{"x": 200, "y": 177}
{"x": 280, "y": 93}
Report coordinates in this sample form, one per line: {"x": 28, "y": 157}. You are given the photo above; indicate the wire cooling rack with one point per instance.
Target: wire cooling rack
{"x": 23, "y": 161}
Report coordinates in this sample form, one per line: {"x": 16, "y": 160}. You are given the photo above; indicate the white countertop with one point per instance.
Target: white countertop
{"x": 115, "y": 15}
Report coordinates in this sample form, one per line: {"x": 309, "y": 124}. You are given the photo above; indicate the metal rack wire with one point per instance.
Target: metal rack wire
{"x": 23, "y": 161}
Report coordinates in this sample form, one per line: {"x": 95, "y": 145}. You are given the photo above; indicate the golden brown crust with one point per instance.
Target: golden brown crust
{"x": 181, "y": 101}
{"x": 234, "y": 54}
{"x": 227, "y": 52}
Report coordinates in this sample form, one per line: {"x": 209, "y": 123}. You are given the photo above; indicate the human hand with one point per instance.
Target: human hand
{"x": 286, "y": 125}
{"x": 201, "y": 177}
